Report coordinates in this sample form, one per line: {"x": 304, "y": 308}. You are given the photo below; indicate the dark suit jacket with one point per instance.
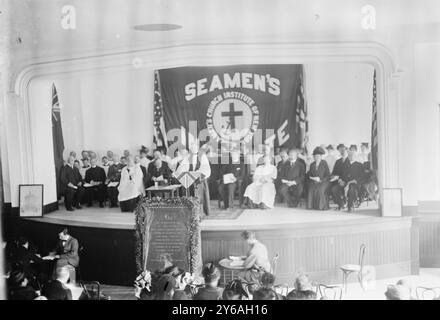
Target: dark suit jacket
{"x": 355, "y": 172}
{"x": 69, "y": 175}
{"x": 24, "y": 257}
{"x": 163, "y": 171}
{"x": 95, "y": 174}
{"x": 54, "y": 290}
{"x": 69, "y": 251}
{"x": 290, "y": 172}
{"x": 341, "y": 168}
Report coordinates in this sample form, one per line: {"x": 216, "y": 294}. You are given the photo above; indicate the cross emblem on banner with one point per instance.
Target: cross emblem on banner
{"x": 232, "y": 114}
{"x": 187, "y": 179}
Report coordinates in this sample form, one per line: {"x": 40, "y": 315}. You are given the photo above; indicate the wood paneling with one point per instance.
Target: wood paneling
{"x": 429, "y": 233}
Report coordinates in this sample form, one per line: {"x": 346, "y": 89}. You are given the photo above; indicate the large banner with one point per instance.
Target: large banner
{"x": 242, "y": 104}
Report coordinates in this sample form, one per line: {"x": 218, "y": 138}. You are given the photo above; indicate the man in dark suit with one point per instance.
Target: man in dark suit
{"x": 292, "y": 178}
{"x": 338, "y": 178}
{"x": 67, "y": 250}
{"x": 158, "y": 171}
{"x": 71, "y": 182}
{"x": 26, "y": 259}
{"x": 354, "y": 179}
{"x": 95, "y": 176}
{"x": 56, "y": 289}
{"x": 237, "y": 169}
{"x": 19, "y": 288}
{"x": 114, "y": 176}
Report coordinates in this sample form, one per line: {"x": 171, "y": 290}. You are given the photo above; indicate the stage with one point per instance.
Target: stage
{"x": 315, "y": 242}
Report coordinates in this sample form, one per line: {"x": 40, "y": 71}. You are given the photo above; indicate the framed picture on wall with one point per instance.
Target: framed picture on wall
{"x": 31, "y": 200}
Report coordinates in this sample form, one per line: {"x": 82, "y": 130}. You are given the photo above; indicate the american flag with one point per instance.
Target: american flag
{"x": 159, "y": 124}
{"x": 301, "y": 114}
{"x": 374, "y": 144}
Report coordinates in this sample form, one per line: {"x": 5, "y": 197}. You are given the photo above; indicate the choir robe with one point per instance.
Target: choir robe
{"x": 130, "y": 187}
{"x": 292, "y": 171}
{"x": 95, "y": 174}
{"x": 202, "y": 166}
{"x": 317, "y": 197}
{"x": 263, "y": 191}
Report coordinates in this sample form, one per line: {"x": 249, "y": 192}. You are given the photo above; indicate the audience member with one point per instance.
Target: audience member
{"x": 57, "y": 289}
{"x": 303, "y": 289}
{"x": 265, "y": 294}
{"x": 66, "y": 252}
{"x": 19, "y": 288}
{"x": 210, "y": 291}
{"x": 236, "y": 289}
{"x": 268, "y": 282}
{"x": 165, "y": 288}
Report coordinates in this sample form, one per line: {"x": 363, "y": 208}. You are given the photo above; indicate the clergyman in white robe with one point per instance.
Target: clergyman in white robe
{"x": 130, "y": 187}
{"x": 262, "y": 189}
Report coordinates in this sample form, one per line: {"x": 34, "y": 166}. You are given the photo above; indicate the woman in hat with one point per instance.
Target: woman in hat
{"x": 318, "y": 178}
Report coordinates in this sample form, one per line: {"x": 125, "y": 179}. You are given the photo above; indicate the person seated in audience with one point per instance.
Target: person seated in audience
{"x": 397, "y": 292}
{"x": 264, "y": 294}
{"x": 72, "y": 184}
{"x": 231, "y": 176}
{"x": 257, "y": 259}
{"x": 292, "y": 174}
{"x": 143, "y": 155}
{"x": 159, "y": 173}
{"x": 113, "y": 178}
{"x": 105, "y": 164}
{"x": 268, "y": 282}
{"x": 27, "y": 259}
{"x": 236, "y": 289}
{"x": 165, "y": 288}
{"x": 303, "y": 289}
{"x": 318, "y": 180}
{"x": 19, "y": 287}
{"x": 261, "y": 192}
{"x": 210, "y": 291}
{"x": 57, "y": 289}
{"x": 66, "y": 252}
{"x": 95, "y": 177}
{"x": 85, "y": 167}
{"x": 131, "y": 186}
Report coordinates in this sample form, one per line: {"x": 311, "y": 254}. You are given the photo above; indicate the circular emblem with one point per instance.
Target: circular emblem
{"x": 232, "y": 117}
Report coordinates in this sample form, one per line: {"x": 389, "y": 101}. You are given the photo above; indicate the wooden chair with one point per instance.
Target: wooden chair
{"x": 424, "y": 293}
{"x": 274, "y": 264}
{"x": 330, "y": 292}
{"x": 347, "y": 269}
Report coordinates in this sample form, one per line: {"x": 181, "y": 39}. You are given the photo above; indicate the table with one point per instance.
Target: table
{"x": 226, "y": 265}
{"x": 172, "y": 189}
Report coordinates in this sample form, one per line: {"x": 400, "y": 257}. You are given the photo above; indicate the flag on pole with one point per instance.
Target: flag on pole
{"x": 301, "y": 114}
{"x": 374, "y": 142}
{"x": 159, "y": 138}
{"x": 57, "y": 137}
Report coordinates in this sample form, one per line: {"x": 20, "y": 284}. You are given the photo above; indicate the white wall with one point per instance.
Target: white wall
{"x": 339, "y": 98}
{"x": 427, "y": 149}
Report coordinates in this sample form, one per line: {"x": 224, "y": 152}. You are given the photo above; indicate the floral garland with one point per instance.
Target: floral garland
{"x": 144, "y": 219}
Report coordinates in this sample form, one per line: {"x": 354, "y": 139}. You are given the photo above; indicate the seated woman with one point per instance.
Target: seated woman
{"x": 130, "y": 186}
{"x": 318, "y": 178}
{"x": 261, "y": 192}
{"x": 257, "y": 261}
{"x": 210, "y": 291}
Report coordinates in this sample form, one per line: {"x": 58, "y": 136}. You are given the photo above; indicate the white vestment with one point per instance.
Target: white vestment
{"x": 131, "y": 188}
{"x": 145, "y": 162}
{"x": 262, "y": 190}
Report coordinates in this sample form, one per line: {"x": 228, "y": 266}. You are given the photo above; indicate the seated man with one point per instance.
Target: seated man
{"x": 113, "y": 179}
{"x": 57, "y": 289}
{"x": 19, "y": 288}
{"x": 105, "y": 164}
{"x": 158, "y": 173}
{"x": 292, "y": 175}
{"x": 71, "y": 182}
{"x": 231, "y": 177}
{"x": 66, "y": 252}
{"x": 338, "y": 177}
{"x": 95, "y": 177}
{"x": 354, "y": 178}
{"x": 261, "y": 192}
{"x": 257, "y": 260}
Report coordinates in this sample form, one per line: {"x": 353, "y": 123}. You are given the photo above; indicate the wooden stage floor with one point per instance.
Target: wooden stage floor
{"x": 278, "y": 217}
